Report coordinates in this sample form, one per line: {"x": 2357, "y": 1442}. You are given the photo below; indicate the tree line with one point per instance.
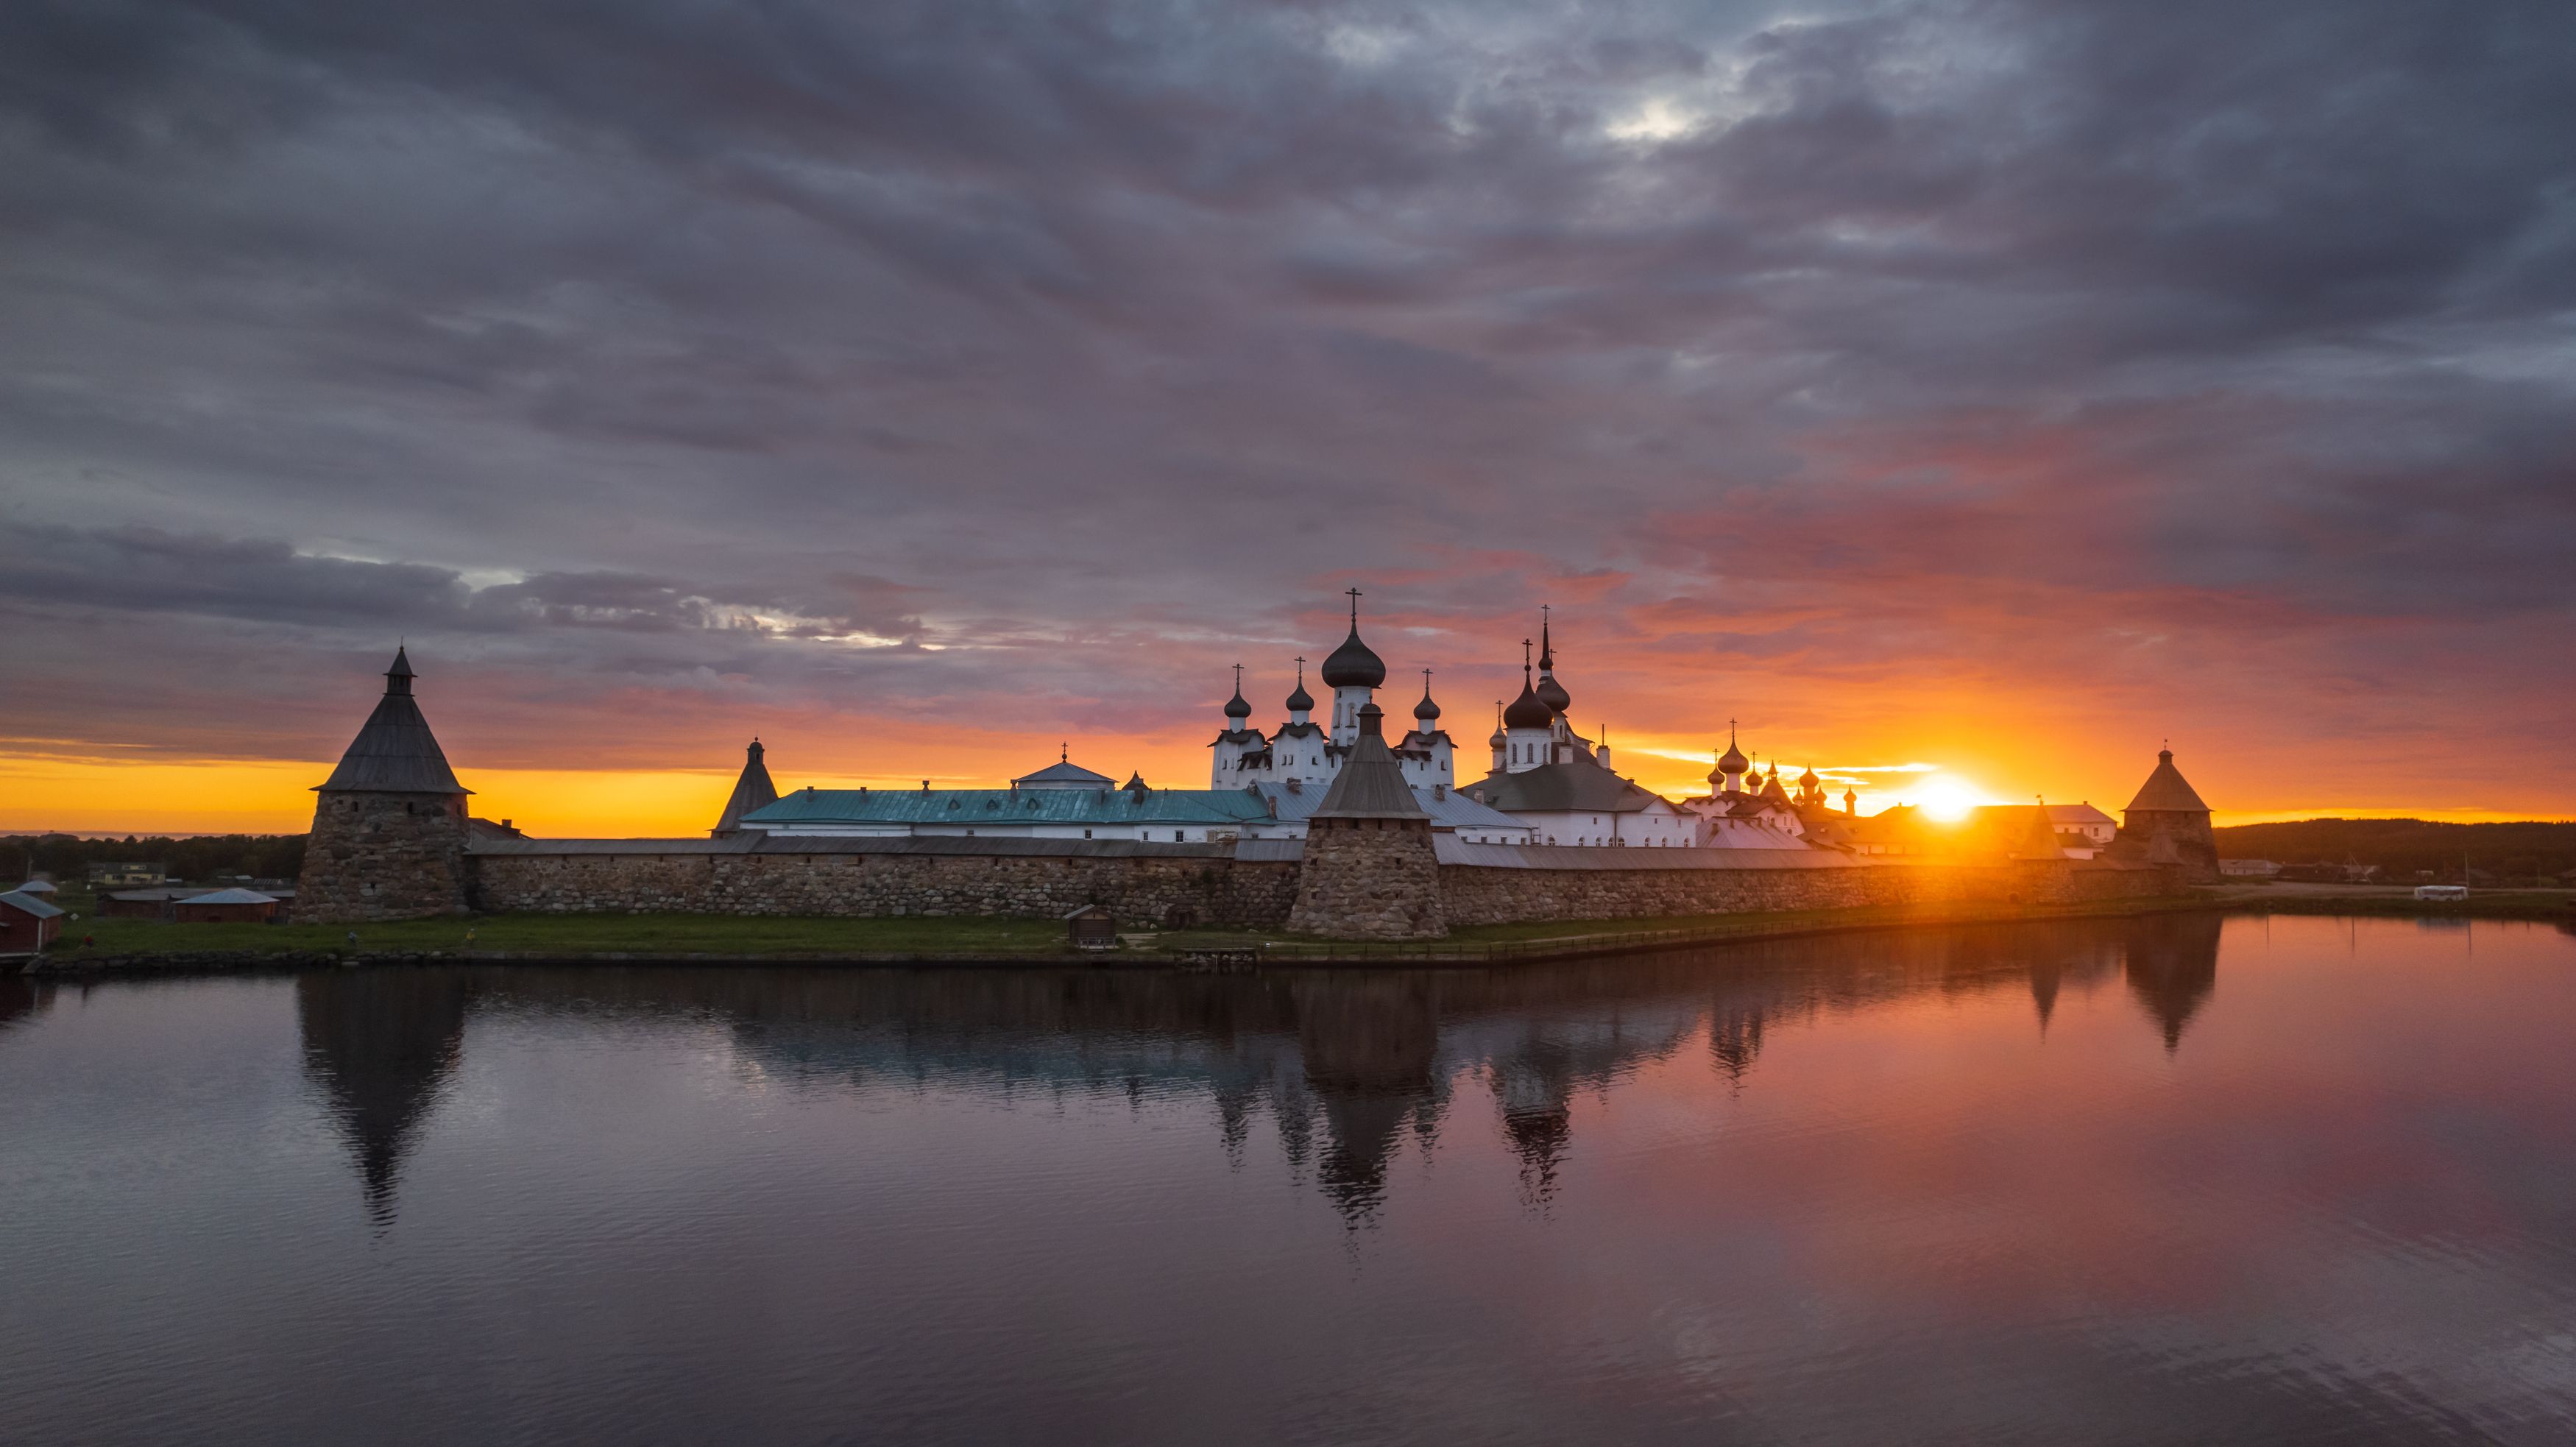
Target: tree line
{"x": 2514, "y": 853}
{"x": 196, "y": 859}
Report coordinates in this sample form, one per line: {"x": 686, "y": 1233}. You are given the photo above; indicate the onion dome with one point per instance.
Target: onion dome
{"x": 1235, "y": 707}
{"x": 1809, "y": 781}
{"x": 1499, "y": 739}
{"x": 1301, "y": 701}
{"x": 1733, "y": 760}
{"x": 1427, "y": 712}
{"x": 1527, "y": 711}
{"x": 1352, "y": 665}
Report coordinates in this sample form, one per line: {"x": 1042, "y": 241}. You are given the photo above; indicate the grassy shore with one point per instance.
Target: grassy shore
{"x": 564, "y": 936}
{"x": 746, "y": 937}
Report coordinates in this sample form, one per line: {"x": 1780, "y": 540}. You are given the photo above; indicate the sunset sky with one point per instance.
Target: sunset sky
{"x": 1960, "y": 395}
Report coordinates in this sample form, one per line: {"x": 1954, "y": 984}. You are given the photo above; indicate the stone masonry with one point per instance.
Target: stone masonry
{"x": 1201, "y": 886}
{"x": 1476, "y": 895}
{"x": 1369, "y": 879}
{"x": 382, "y": 856}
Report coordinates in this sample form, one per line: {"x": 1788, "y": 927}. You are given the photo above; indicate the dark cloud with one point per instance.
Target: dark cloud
{"x": 998, "y": 364}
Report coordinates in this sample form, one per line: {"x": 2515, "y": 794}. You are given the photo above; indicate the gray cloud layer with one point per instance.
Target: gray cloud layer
{"x": 1089, "y": 340}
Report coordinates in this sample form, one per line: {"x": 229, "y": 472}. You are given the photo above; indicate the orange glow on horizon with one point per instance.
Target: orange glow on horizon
{"x": 87, "y": 795}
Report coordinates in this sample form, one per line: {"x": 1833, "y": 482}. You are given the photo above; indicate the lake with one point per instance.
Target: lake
{"x": 2176, "y": 1179}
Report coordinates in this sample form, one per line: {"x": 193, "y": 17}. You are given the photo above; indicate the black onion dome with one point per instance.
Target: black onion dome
{"x": 1301, "y": 701}
{"x": 1353, "y": 665}
{"x": 1733, "y": 760}
{"x": 1552, "y": 693}
{"x": 1527, "y": 711}
{"x": 1427, "y": 711}
{"x": 1235, "y": 707}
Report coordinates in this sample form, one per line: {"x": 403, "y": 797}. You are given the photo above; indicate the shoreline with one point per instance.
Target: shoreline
{"x": 1201, "y": 950}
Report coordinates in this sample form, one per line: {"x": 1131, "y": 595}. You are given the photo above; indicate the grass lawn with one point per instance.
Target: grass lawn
{"x": 581, "y": 934}
{"x": 816, "y": 937}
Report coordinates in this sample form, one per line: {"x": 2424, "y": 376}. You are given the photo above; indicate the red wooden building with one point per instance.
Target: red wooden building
{"x": 27, "y": 924}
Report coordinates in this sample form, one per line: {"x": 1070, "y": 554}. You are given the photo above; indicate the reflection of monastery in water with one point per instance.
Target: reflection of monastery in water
{"x": 1346, "y": 1067}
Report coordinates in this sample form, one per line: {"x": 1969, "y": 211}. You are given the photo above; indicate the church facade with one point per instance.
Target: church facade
{"x": 1304, "y": 753}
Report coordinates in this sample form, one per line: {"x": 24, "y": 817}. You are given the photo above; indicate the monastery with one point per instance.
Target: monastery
{"x": 1327, "y": 828}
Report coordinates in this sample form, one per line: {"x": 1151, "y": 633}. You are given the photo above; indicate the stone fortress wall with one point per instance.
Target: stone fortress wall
{"x": 1010, "y": 878}
{"x": 1477, "y": 895}
{"x": 1246, "y": 887}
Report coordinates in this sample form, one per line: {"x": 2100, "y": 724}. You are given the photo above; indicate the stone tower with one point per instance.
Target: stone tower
{"x": 1369, "y": 872}
{"x": 389, "y": 824}
{"x": 2171, "y": 824}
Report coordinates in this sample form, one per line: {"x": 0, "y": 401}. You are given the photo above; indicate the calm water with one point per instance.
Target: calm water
{"x": 2160, "y": 1181}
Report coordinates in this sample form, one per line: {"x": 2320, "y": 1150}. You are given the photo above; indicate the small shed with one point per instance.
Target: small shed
{"x": 1092, "y": 927}
{"x": 41, "y": 888}
{"x": 142, "y": 903}
{"x": 226, "y": 906}
{"x": 27, "y": 923}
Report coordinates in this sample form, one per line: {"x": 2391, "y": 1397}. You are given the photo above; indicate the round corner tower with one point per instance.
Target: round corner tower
{"x": 1369, "y": 871}
{"x": 2170, "y": 821}
{"x": 389, "y": 825}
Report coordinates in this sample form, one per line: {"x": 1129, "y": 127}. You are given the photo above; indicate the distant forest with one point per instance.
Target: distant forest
{"x": 67, "y": 857}
{"x": 2510, "y": 853}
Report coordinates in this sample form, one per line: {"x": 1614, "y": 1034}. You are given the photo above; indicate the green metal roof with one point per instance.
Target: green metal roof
{"x": 1012, "y": 806}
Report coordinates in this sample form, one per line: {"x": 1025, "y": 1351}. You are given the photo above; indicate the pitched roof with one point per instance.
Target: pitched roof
{"x": 231, "y": 896}
{"x": 394, "y": 752}
{"x": 1371, "y": 785}
{"x": 29, "y": 904}
{"x": 1009, "y": 806}
{"x": 2165, "y": 789}
{"x": 1065, "y": 772}
{"x": 1445, "y": 807}
{"x": 1562, "y": 789}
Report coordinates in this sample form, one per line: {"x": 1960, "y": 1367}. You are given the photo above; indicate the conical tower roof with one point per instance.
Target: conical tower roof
{"x": 1371, "y": 785}
{"x": 752, "y": 791}
{"x": 394, "y": 752}
{"x": 2039, "y": 838}
{"x": 2166, "y": 791}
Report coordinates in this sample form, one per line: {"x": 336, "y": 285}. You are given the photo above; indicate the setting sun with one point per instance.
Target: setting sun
{"x": 1948, "y": 799}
